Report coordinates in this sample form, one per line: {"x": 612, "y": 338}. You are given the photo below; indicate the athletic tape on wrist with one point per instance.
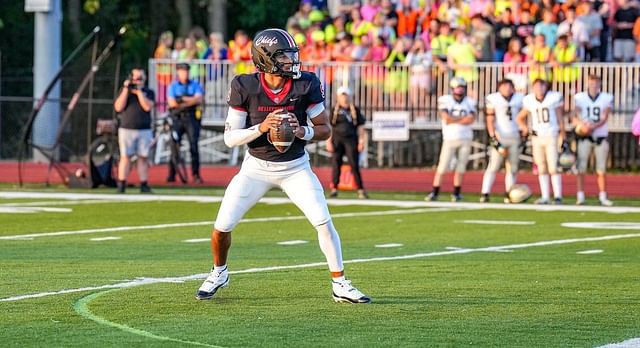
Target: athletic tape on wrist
{"x": 308, "y": 133}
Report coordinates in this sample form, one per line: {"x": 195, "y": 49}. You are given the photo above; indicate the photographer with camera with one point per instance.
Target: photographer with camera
{"x": 134, "y": 105}
{"x": 184, "y": 96}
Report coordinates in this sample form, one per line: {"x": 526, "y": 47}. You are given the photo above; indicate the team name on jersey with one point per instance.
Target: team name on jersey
{"x": 274, "y": 108}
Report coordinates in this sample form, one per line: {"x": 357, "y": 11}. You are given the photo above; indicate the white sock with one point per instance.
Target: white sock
{"x": 580, "y": 196}
{"x": 509, "y": 180}
{"x": 487, "y": 181}
{"x": 220, "y": 268}
{"x": 602, "y": 195}
{"x": 556, "y": 182}
{"x": 330, "y": 246}
{"x": 543, "y": 179}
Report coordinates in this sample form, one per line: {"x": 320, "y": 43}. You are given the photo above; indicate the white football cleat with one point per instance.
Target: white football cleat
{"x": 541, "y": 201}
{"x": 580, "y": 201}
{"x": 605, "y": 202}
{"x": 215, "y": 281}
{"x": 345, "y": 292}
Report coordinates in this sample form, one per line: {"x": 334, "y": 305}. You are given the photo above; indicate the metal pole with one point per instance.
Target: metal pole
{"x": 94, "y": 52}
{"x": 46, "y": 62}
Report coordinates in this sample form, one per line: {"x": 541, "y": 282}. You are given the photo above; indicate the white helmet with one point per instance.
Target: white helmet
{"x": 519, "y": 193}
{"x": 458, "y": 86}
{"x": 457, "y": 82}
{"x": 567, "y": 158}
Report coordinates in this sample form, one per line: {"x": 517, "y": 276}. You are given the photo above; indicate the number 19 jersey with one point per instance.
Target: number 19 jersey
{"x": 544, "y": 121}
{"x": 592, "y": 110}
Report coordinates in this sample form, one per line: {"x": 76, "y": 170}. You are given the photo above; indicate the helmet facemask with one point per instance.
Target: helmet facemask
{"x": 286, "y": 63}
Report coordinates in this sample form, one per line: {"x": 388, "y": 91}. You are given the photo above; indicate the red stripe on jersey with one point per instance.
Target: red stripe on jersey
{"x": 275, "y": 97}
{"x": 239, "y": 108}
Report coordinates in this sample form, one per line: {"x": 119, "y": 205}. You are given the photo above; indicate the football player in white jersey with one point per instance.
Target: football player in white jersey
{"x": 544, "y": 109}
{"x": 591, "y": 115}
{"x": 501, "y": 109}
{"x": 458, "y": 111}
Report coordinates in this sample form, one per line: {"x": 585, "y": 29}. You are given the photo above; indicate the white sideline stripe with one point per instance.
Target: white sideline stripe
{"x": 604, "y": 225}
{"x": 293, "y": 242}
{"x": 494, "y": 251}
{"x": 104, "y": 238}
{"x": 197, "y": 240}
{"x": 334, "y": 202}
{"x": 146, "y": 281}
{"x": 496, "y": 222}
{"x": 587, "y": 252}
{"x": 31, "y": 210}
{"x": 67, "y": 202}
{"x": 389, "y": 245}
{"x": 631, "y": 343}
{"x": 206, "y": 223}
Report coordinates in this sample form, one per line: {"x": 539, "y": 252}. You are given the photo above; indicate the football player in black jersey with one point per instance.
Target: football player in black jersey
{"x": 257, "y": 103}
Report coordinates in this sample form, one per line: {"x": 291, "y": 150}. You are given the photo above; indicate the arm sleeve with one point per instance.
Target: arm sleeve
{"x": 235, "y": 133}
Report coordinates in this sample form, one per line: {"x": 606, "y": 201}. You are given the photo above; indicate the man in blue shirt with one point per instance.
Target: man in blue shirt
{"x": 184, "y": 96}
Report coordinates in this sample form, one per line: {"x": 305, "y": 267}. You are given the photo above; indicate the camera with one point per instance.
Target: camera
{"x": 133, "y": 86}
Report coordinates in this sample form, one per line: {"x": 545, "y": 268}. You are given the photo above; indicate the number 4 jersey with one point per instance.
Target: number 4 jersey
{"x": 592, "y": 110}
{"x": 544, "y": 121}
{"x": 505, "y": 111}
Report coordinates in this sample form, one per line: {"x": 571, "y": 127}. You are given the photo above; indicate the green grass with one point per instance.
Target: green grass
{"x": 545, "y": 296}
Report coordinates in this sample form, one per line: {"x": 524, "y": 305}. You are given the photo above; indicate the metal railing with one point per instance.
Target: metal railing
{"x": 414, "y": 88}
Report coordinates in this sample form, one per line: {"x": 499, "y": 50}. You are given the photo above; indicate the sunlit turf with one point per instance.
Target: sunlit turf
{"x": 537, "y": 296}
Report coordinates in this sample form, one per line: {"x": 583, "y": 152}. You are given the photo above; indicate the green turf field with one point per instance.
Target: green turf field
{"x": 461, "y": 276}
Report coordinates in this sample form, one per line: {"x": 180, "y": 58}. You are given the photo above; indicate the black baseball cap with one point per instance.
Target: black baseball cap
{"x": 184, "y": 66}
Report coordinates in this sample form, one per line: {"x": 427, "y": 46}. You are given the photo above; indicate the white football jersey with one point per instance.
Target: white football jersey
{"x": 505, "y": 113}
{"x": 455, "y": 131}
{"x": 544, "y": 120}
{"x": 592, "y": 109}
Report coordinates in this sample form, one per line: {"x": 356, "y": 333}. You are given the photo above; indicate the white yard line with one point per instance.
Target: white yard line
{"x": 31, "y": 210}
{"x": 104, "y": 239}
{"x": 146, "y": 281}
{"x": 632, "y": 343}
{"x": 334, "y": 202}
{"x": 495, "y": 222}
{"x": 587, "y": 252}
{"x": 210, "y": 223}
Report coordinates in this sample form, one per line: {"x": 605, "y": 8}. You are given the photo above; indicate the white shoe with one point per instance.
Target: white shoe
{"x": 580, "y": 201}
{"x": 541, "y": 201}
{"x": 345, "y": 292}
{"x": 605, "y": 202}
{"x": 214, "y": 281}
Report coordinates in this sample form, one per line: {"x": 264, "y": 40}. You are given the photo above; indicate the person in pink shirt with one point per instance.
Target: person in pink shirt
{"x": 514, "y": 69}
{"x": 370, "y": 10}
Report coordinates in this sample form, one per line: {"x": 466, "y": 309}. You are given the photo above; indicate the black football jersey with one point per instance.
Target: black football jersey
{"x": 250, "y": 93}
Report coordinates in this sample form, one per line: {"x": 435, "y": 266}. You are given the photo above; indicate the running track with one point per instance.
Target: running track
{"x": 406, "y": 180}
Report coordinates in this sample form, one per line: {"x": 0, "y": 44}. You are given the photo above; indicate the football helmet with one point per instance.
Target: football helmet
{"x": 274, "y": 51}
{"x": 567, "y": 158}
{"x": 519, "y": 193}
{"x": 458, "y": 86}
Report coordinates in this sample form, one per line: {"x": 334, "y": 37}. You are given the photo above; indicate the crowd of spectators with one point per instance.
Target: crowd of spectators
{"x": 533, "y": 38}
{"x": 446, "y": 32}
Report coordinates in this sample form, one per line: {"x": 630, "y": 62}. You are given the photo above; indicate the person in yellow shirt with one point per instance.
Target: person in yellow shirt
{"x": 564, "y": 55}
{"x": 440, "y": 44}
{"x": 538, "y": 58}
{"x": 462, "y": 56}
